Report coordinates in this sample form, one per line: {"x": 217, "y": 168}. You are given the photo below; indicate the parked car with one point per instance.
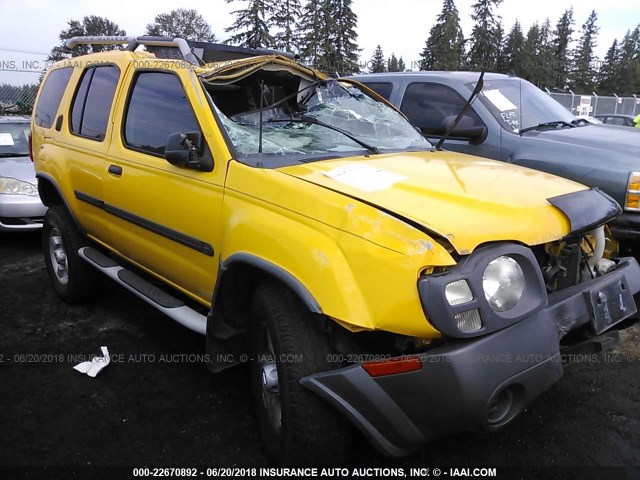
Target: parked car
{"x": 20, "y": 205}
{"x": 622, "y": 120}
{"x": 306, "y": 227}
{"x": 513, "y": 121}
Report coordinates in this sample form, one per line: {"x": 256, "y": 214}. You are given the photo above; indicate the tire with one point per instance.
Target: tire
{"x": 73, "y": 279}
{"x": 307, "y": 430}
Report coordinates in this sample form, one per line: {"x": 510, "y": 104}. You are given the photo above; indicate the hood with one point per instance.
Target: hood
{"x": 20, "y": 168}
{"x": 623, "y": 140}
{"x": 468, "y": 200}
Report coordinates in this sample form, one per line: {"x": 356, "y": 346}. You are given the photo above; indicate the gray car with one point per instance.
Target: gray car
{"x": 20, "y": 205}
{"x": 513, "y": 121}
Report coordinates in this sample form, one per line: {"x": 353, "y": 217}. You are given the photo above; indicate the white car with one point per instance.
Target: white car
{"x": 20, "y": 205}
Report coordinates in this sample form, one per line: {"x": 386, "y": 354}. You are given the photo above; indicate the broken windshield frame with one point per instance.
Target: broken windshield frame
{"x": 326, "y": 119}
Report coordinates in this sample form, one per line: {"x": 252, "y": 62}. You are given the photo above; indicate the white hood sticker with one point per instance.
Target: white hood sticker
{"x": 365, "y": 177}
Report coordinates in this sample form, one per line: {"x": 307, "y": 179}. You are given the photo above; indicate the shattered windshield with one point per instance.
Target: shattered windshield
{"x": 309, "y": 119}
{"x": 518, "y": 104}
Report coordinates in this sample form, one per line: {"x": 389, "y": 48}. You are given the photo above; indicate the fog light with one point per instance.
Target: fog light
{"x": 458, "y": 293}
{"x": 468, "y": 321}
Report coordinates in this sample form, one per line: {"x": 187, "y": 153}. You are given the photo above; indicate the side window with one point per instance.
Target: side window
{"x": 92, "y": 103}
{"x": 157, "y": 108}
{"x": 50, "y": 97}
{"x": 430, "y": 106}
{"x": 615, "y": 121}
{"x": 382, "y": 89}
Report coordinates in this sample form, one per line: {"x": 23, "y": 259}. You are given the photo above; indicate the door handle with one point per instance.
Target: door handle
{"x": 115, "y": 170}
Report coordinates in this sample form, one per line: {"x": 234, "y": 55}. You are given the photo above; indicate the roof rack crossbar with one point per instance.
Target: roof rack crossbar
{"x": 133, "y": 43}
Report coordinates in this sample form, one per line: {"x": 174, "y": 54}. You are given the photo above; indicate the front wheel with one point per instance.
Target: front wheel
{"x": 74, "y": 280}
{"x": 297, "y": 426}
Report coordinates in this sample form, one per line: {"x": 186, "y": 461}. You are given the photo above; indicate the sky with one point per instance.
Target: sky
{"x": 32, "y": 26}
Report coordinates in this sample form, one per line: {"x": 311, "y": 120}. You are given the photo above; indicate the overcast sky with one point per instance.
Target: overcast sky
{"x": 34, "y": 25}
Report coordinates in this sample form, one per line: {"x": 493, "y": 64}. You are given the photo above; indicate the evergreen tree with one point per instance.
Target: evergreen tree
{"x": 89, "y": 26}
{"x": 583, "y": 75}
{"x": 392, "y": 65}
{"x": 444, "y": 49}
{"x": 499, "y": 45}
{"x": 512, "y": 61}
{"x": 285, "y": 17}
{"x": 562, "y": 48}
{"x": 312, "y": 30}
{"x": 187, "y": 24}
{"x": 545, "y": 56}
{"x": 529, "y": 53}
{"x": 252, "y": 24}
{"x": 328, "y": 33}
{"x": 627, "y": 76}
{"x": 377, "y": 63}
{"x": 401, "y": 66}
{"x": 610, "y": 70}
{"x": 484, "y": 37}
{"x": 345, "y": 37}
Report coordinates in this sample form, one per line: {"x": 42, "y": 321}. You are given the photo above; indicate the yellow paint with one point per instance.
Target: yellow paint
{"x": 360, "y": 263}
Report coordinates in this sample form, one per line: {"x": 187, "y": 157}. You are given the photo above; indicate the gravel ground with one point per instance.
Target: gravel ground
{"x": 158, "y": 406}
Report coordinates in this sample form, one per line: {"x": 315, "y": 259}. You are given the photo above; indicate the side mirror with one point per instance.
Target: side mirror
{"x": 183, "y": 149}
{"x": 467, "y": 128}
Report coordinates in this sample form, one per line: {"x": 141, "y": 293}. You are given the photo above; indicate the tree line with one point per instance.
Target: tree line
{"x": 323, "y": 34}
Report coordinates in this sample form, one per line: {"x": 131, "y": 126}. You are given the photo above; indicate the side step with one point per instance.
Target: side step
{"x": 170, "y": 306}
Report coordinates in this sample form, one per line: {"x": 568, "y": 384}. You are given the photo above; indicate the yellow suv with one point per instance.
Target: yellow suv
{"x": 305, "y": 227}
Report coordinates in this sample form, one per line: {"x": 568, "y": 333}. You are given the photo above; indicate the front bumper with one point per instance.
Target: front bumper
{"x": 471, "y": 383}
{"x": 21, "y": 212}
{"x": 626, "y": 226}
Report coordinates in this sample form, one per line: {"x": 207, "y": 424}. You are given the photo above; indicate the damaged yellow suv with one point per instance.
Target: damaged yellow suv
{"x": 372, "y": 282}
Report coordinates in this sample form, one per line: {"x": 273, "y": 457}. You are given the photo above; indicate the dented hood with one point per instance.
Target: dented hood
{"x": 468, "y": 200}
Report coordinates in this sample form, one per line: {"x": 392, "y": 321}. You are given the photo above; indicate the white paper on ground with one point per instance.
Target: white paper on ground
{"x": 501, "y": 102}
{"x": 365, "y": 177}
{"x": 96, "y": 364}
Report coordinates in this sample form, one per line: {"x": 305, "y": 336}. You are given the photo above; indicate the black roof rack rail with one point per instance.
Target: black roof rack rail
{"x": 196, "y": 53}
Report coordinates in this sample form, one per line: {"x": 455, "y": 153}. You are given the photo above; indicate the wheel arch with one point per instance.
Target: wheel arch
{"x": 51, "y": 194}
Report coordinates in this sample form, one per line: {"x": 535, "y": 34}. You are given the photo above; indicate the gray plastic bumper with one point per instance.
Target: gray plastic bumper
{"x": 459, "y": 384}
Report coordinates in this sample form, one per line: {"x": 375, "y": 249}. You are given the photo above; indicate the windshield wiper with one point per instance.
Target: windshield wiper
{"x": 13, "y": 154}
{"x": 314, "y": 121}
{"x": 555, "y": 123}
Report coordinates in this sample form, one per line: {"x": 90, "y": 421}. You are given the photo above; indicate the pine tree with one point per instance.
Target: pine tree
{"x": 393, "y": 65}
{"x": 285, "y": 18}
{"x": 377, "y": 63}
{"x": 529, "y": 53}
{"x": 401, "y": 66}
{"x": 345, "y": 36}
{"x": 444, "y": 49}
{"x": 89, "y": 26}
{"x": 512, "y": 58}
{"x": 187, "y": 24}
{"x": 252, "y": 24}
{"x": 484, "y": 36}
{"x": 562, "y": 48}
{"x": 311, "y": 28}
{"x": 583, "y": 75}
{"x": 610, "y": 71}
{"x": 627, "y": 79}
{"x": 545, "y": 56}
{"x": 328, "y": 33}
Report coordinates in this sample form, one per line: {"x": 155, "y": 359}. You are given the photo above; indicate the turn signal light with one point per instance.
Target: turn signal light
{"x": 392, "y": 366}
{"x": 632, "y": 199}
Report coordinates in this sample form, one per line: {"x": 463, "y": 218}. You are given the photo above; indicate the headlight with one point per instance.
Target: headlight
{"x": 503, "y": 283}
{"x": 12, "y": 186}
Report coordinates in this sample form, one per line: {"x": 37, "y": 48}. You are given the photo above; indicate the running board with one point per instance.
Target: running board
{"x": 170, "y": 306}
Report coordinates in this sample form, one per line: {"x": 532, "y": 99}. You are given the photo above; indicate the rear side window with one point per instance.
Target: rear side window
{"x": 157, "y": 108}
{"x": 93, "y": 100}
{"x": 428, "y": 105}
{"x": 382, "y": 89}
{"x": 50, "y": 97}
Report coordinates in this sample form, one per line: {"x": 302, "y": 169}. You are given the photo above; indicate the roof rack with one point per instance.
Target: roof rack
{"x": 197, "y": 53}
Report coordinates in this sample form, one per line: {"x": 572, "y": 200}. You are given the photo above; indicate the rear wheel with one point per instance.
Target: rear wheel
{"x": 297, "y": 426}
{"x": 74, "y": 280}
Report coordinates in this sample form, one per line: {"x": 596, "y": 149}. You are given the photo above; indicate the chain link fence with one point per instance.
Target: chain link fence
{"x": 597, "y": 104}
